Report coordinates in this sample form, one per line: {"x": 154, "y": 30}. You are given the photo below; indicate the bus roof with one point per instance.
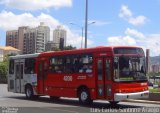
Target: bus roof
{"x": 75, "y": 51}
{"x": 84, "y": 50}
{"x": 25, "y": 56}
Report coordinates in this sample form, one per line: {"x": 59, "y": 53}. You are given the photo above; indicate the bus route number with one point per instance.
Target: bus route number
{"x": 67, "y": 78}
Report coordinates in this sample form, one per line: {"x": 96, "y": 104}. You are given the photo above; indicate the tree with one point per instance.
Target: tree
{"x": 69, "y": 47}
{"x": 4, "y": 68}
{"x": 3, "y": 72}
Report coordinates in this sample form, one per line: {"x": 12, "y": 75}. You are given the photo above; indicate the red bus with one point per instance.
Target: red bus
{"x": 113, "y": 73}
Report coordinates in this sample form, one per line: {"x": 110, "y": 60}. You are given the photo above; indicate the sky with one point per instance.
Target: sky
{"x": 117, "y": 22}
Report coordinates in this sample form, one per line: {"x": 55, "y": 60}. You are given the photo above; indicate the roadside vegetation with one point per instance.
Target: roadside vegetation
{"x": 154, "y": 90}
{"x": 155, "y": 84}
{"x": 3, "y": 71}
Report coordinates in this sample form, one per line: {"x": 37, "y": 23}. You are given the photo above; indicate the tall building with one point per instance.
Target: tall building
{"x": 29, "y": 40}
{"x": 42, "y": 37}
{"x": 21, "y": 38}
{"x": 59, "y": 37}
{"x": 147, "y": 60}
{"x": 12, "y": 38}
{"x": 155, "y": 68}
{"x": 50, "y": 46}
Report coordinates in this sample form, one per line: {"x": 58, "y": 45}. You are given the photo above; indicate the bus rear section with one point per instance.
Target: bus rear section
{"x": 22, "y": 74}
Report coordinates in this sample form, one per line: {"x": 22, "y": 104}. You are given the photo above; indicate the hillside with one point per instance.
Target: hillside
{"x": 155, "y": 60}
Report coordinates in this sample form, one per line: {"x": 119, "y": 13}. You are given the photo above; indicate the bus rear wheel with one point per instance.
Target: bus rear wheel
{"x": 29, "y": 92}
{"x": 84, "y": 97}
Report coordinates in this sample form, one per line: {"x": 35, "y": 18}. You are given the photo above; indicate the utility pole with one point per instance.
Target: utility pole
{"x": 86, "y": 23}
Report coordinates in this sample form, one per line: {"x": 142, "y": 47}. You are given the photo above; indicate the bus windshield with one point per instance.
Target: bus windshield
{"x": 129, "y": 68}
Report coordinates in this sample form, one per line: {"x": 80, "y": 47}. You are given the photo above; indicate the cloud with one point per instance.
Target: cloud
{"x": 134, "y": 33}
{"x": 138, "y": 20}
{"x": 11, "y": 21}
{"x": 133, "y": 37}
{"x": 152, "y": 42}
{"x": 36, "y": 4}
{"x": 127, "y": 14}
{"x": 121, "y": 40}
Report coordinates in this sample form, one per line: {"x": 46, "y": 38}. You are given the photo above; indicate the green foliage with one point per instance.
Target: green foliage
{"x": 151, "y": 74}
{"x": 154, "y": 90}
{"x": 3, "y": 68}
{"x": 70, "y": 47}
{"x": 56, "y": 49}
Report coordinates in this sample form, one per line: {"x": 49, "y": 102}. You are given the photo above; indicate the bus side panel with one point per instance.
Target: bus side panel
{"x": 66, "y": 86}
{"x": 61, "y": 92}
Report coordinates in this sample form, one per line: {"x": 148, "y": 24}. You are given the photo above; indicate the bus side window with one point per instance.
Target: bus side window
{"x": 85, "y": 63}
{"x": 72, "y": 64}
{"x": 11, "y": 67}
{"x": 57, "y": 65}
{"x": 29, "y": 66}
{"x": 68, "y": 64}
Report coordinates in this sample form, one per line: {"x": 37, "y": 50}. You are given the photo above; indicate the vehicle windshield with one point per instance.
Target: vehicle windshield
{"x": 129, "y": 68}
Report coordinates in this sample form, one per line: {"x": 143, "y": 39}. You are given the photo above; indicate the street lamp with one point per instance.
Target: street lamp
{"x": 82, "y": 30}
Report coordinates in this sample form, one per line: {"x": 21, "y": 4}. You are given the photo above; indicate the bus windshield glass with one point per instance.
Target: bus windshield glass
{"x": 129, "y": 68}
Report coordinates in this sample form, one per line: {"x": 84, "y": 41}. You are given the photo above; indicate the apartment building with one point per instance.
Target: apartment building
{"x": 29, "y": 40}
{"x": 59, "y": 37}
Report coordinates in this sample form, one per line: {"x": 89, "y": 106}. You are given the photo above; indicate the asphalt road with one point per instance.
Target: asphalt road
{"x": 17, "y": 103}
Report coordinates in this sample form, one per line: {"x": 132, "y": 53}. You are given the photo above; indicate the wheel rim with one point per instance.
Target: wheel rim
{"x": 84, "y": 96}
{"x": 28, "y": 92}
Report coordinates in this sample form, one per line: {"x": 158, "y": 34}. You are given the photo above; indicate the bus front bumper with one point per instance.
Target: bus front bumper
{"x": 125, "y": 96}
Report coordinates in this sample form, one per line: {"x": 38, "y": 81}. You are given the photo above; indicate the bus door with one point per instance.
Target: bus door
{"x": 19, "y": 69}
{"x": 103, "y": 72}
{"x": 41, "y": 76}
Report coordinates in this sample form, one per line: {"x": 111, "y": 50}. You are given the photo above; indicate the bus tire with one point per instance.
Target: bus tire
{"x": 84, "y": 96}
{"x": 29, "y": 92}
{"x": 54, "y": 98}
{"x": 113, "y": 102}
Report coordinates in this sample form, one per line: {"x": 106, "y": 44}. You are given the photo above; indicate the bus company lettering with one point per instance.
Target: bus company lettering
{"x": 67, "y": 78}
{"x": 103, "y": 54}
{"x": 81, "y": 77}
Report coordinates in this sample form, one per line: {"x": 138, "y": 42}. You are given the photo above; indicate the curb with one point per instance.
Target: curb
{"x": 143, "y": 101}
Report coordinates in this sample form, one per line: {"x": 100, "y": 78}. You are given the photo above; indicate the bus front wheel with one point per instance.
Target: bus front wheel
{"x": 113, "y": 102}
{"x": 84, "y": 97}
{"x": 29, "y": 92}
{"x": 54, "y": 98}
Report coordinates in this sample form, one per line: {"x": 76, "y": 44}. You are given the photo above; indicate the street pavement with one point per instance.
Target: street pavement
{"x": 17, "y": 103}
